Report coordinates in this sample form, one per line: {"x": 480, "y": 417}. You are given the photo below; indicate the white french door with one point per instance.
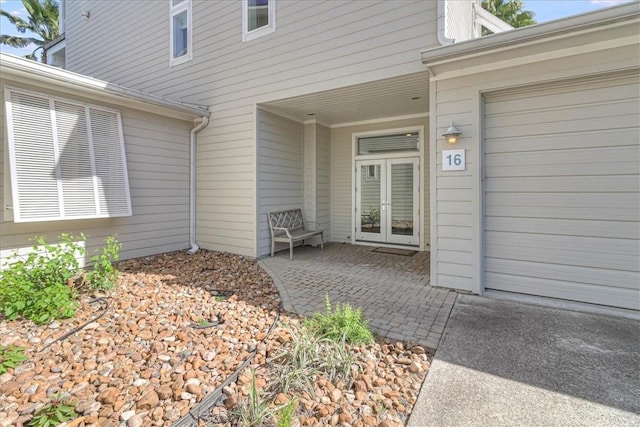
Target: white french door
{"x": 387, "y": 201}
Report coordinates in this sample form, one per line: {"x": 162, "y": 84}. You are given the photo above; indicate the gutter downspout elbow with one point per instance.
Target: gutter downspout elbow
{"x": 192, "y": 184}
{"x": 441, "y": 10}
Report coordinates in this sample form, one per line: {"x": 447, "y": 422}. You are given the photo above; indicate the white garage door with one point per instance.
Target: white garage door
{"x": 562, "y": 191}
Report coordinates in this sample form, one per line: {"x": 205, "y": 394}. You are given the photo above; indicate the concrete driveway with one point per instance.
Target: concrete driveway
{"x": 507, "y": 363}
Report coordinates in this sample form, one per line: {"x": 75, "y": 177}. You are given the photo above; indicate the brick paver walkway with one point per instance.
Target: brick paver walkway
{"x": 392, "y": 290}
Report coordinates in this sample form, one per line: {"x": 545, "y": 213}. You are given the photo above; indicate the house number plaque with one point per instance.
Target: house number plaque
{"x": 453, "y": 160}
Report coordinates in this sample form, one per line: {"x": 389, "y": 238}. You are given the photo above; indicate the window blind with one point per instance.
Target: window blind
{"x": 67, "y": 159}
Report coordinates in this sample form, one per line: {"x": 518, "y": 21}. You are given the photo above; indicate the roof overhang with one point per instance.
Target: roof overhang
{"x": 604, "y": 29}
{"x": 52, "y": 78}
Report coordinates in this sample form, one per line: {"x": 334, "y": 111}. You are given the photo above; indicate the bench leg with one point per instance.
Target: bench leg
{"x": 321, "y": 241}
{"x": 290, "y": 250}
{"x": 273, "y": 247}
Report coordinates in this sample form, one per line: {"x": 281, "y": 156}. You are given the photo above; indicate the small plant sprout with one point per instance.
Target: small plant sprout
{"x": 56, "y": 412}
{"x": 10, "y": 357}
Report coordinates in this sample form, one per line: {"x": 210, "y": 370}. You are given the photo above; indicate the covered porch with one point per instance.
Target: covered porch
{"x": 390, "y": 285}
{"x": 354, "y": 159}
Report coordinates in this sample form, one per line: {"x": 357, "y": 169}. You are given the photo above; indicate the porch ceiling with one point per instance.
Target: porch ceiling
{"x": 367, "y": 101}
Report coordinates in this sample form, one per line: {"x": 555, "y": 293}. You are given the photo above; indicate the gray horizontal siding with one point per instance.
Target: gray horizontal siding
{"x": 318, "y": 45}
{"x": 279, "y": 188}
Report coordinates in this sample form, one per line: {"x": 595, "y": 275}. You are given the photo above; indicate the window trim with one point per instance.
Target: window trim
{"x": 262, "y": 31}
{"x": 372, "y": 176}
{"x": 13, "y": 193}
{"x": 185, "y": 5}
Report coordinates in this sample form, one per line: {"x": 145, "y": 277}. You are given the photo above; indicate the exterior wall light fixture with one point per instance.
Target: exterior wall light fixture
{"x": 452, "y": 134}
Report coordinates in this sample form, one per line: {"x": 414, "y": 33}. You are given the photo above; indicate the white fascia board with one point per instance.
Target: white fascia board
{"x": 28, "y": 70}
{"x": 519, "y": 37}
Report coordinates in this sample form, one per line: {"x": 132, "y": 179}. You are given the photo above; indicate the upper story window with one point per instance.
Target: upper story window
{"x": 258, "y": 18}
{"x": 67, "y": 159}
{"x": 181, "y": 31}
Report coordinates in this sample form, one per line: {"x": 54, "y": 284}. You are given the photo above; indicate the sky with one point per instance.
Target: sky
{"x": 545, "y": 10}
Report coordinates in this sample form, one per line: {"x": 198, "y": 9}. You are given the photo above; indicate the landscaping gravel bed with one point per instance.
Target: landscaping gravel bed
{"x": 173, "y": 331}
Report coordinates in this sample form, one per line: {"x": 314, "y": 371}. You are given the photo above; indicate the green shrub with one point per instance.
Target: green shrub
{"x": 39, "y": 285}
{"x": 103, "y": 275}
{"x": 10, "y": 357}
{"x": 54, "y": 413}
{"x": 343, "y": 323}
{"x": 35, "y": 286}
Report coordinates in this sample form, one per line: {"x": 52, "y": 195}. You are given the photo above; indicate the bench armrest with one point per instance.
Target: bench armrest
{"x": 286, "y": 230}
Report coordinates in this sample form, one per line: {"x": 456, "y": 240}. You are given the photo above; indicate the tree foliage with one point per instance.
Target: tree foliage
{"x": 42, "y": 20}
{"x": 510, "y": 11}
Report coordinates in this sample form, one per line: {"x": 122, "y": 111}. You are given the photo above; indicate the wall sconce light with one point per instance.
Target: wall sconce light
{"x": 452, "y": 134}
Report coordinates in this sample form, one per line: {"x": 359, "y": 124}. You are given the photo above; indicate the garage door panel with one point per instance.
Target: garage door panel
{"x": 568, "y": 184}
{"x": 569, "y": 227}
{"x": 627, "y": 249}
{"x": 569, "y": 113}
{"x": 577, "y": 95}
{"x": 619, "y": 297}
{"x": 623, "y": 120}
{"x": 601, "y": 213}
{"x": 595, "y": 200}
{"x": 586, "y": 275}
{"x": 568, "y": 157}
{"x": 575, "y": 140}
{"x": 587, "y": 169}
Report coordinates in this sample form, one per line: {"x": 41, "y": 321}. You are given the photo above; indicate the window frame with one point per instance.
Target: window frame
{"x": 13, "y": 193}
{"x": 262, "y": 31}
{"x": 174, "y": 10}
{"x": 371, "y": 173}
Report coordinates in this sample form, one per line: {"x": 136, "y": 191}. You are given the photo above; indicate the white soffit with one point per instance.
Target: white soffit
{"x": 367, "y": 101}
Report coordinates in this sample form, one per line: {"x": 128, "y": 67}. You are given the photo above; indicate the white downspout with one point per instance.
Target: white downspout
{"x": 192, "y": 184}
{"x": 442, "y": 15}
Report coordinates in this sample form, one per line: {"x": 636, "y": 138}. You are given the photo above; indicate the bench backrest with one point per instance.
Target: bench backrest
{"x": 290, "y": 219}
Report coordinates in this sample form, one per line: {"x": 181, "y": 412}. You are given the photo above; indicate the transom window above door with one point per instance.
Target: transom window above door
{"x": 380, "y": 144}
{"x": 258, "y": 18}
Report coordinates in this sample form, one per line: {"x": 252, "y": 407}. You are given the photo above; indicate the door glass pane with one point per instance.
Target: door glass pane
{"x": 370, "y": 199}
{"x": 402, "y": 199}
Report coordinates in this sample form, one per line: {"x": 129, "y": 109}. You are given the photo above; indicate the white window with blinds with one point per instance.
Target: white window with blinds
{"x": 67, "y": 159}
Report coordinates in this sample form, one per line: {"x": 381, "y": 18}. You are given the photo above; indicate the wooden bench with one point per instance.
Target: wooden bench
{"x": 288, "y": 227}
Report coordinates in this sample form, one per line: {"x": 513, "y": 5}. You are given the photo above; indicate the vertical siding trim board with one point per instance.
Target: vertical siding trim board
{"x": 433, "y": 182}
{"x": 477, "y": 188}
{"x": 256, "y": 180}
